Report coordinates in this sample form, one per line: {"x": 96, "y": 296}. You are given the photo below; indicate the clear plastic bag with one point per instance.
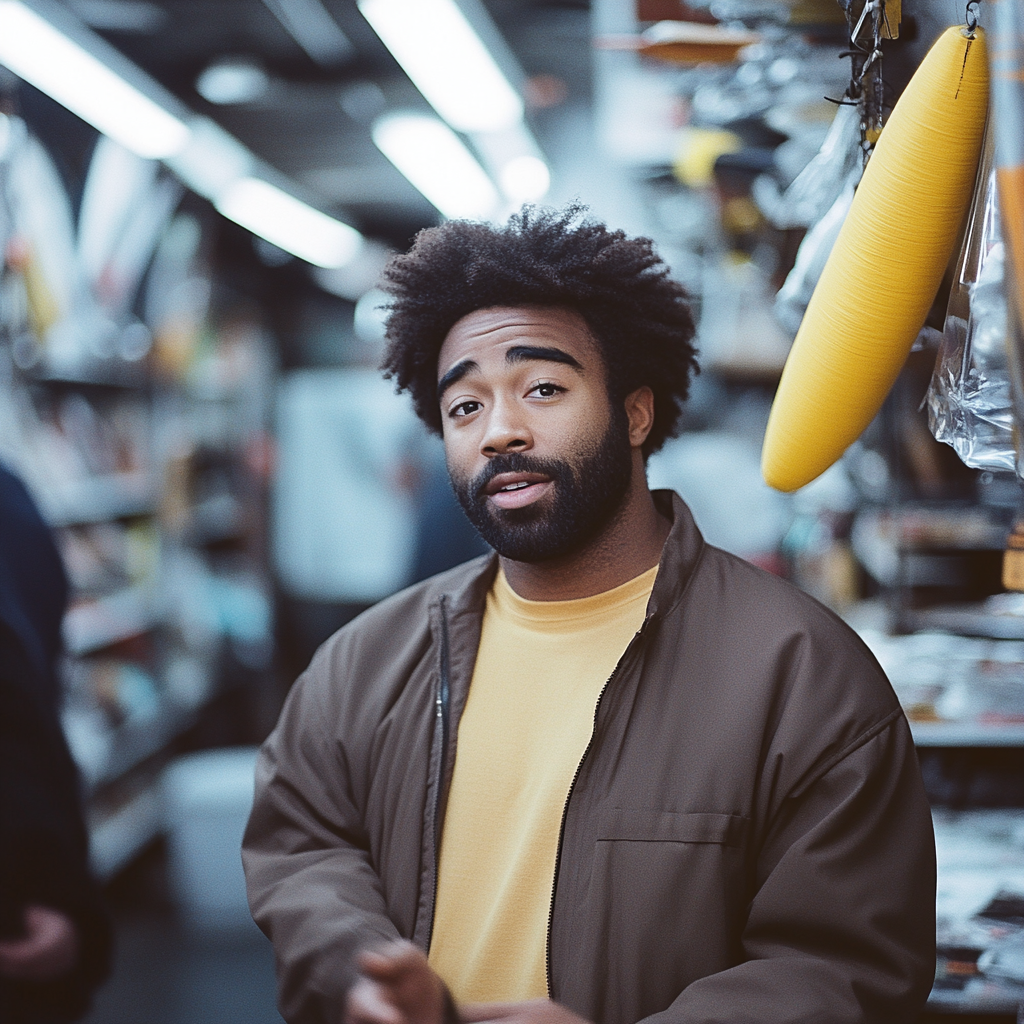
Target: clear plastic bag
{"x": 795, "y": 293}
{"x": 969, "y": 400}
{"x": 819, "y": 198}
{"x": 817, "y": 187}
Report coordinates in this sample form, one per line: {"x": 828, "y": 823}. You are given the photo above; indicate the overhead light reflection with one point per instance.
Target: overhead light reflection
{"x": 206, "y": 158}
{"x": 289, "y": 223}
{"x": 525, "y": 179}
{"x": 232, "y": 81}
{"x": 437, "y": 163}
{"x": 42, "y": 55}
{"x": 447, "y": 61}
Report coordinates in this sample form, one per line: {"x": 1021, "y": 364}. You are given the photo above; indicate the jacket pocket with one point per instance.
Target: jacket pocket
{"x": 648, "y": 824}
{"x": 662, "y": 906}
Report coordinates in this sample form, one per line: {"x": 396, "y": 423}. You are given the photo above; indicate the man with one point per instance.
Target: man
{"x": 611, "y": 773}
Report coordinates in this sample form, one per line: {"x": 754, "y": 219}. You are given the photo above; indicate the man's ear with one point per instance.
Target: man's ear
{"x": 640, "y": 414}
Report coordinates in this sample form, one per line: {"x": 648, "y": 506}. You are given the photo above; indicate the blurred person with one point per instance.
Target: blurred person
{"x": 55, "y": 936}
{"x": 344, "y": 520}
{"x": 444, "y": 536}
{"x": 610, "y": 772}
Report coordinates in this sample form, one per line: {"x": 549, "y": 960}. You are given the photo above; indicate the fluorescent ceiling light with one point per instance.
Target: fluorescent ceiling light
{"x": 37, "y": 52}
{"x": 212, "y": 161}
{"x": 289, "y": 223}
{"x": 435, "y": 160}
{"x": 447, "y": 61}
{"x": 232, "y": 81}
{"x": 310, "y": 24}
{"x": 525, "y": 179}
{"x": 120, "y": 15}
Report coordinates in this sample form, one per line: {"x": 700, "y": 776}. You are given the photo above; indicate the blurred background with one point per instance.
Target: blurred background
{"x": 196, "y": 201}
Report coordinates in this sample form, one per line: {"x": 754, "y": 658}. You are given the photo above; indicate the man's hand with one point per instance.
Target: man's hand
{"x": 535, "y": 1011}
{"x": 396, "y": 986}
{"x": 48, "y": 949}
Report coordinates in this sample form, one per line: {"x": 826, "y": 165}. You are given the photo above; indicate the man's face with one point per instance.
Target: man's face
{"x": 539, "y": 459}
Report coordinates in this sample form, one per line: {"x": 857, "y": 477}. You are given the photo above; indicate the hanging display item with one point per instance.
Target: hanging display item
{"x": 970, "y": 406}
{"x": 819, "y": 198}
{"x": 1008, "y": 110}
{"x": 1008, "y": 102}
{"x": 882, "y": 274}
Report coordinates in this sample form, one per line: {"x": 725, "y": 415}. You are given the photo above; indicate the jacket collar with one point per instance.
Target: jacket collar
{"x": 679, "y": 558}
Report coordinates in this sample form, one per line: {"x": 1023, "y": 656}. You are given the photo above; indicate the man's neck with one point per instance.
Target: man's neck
{"x": 629, "y": 546}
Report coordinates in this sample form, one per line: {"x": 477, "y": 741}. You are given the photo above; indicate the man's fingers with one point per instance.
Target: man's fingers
{"x": 389, "y": 961}
{"x": 366, "y": 1004}
{"x": 48, "y": 949}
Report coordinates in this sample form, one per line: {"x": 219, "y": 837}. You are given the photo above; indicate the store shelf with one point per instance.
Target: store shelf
{"x": 968, "y": 620}
{"x": 134, "y": 742}
{"x": 967, "y": 734}
{"x": 116, "y": 838}
{"x": 922, "y": 546}
{"x": 108, "y": 620}
{"x": 98, "y": 373}
{"x": 980, "y": 862}
{"x": 984, "y": 997}
{"x": 100, "y": 499}
{"x": 216, "y": 519}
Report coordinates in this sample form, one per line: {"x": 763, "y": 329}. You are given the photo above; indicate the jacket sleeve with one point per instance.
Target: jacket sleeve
{"x": 312, "y": 886}
{"x": 841, "y": 925}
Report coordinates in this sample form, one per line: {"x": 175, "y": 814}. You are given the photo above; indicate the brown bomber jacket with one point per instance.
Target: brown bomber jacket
{"x": 747, "y": 838}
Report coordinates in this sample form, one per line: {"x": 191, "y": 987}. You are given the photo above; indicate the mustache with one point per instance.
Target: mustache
{"x": 516, "y": 462}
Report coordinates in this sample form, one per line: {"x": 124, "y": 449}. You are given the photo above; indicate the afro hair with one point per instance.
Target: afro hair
{"x": 638, "y": 315}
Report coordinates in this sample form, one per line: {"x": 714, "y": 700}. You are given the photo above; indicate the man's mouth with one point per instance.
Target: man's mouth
{"x": 516, "y": 490}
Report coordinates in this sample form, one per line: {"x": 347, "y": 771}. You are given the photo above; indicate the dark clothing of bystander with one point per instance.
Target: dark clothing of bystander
{"x": 43, "y": 840}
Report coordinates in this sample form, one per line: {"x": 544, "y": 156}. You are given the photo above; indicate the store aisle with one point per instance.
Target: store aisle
{"x": 167, "y": 973}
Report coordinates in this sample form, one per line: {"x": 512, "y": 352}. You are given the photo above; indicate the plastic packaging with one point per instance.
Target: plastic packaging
{"x": 794, "y": 295}
{"x": 970, "y": 404}
{"x": 816, "y": 188}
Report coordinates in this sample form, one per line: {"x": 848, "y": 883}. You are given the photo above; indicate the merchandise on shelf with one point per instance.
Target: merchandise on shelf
{"x": 136, "y": 408}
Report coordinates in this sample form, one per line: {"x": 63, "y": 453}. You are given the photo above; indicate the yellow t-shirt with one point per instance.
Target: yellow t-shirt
{"x": 529, "y": 715}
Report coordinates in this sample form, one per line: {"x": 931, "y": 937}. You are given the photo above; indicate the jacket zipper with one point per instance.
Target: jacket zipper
{"x": 568, "y": 798}
{"x": 443, "y": 701}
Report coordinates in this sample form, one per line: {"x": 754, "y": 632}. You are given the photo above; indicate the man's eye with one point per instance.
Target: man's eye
{"x": 464, "y": 408}
{"x": 546, "y": 390}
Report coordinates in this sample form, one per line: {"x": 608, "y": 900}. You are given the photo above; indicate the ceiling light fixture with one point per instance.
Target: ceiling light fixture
{"x": 232, "y": 81}
{"x": 45, "y": 57}
{"x": 48, "y": 47}
{"x": 525, "y": 179}
{"x": 447, "y": 61}
{"x": 310, "y": 24}
{"x": 120, "y": 15}
{"x": 437, "y": 163}
{"x": 289, "y": 223}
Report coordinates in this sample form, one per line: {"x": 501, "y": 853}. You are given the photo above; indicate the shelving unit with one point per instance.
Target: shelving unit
{"x": 133, "y": 420}
{"x": 102, "y": 498}
{"x": 109, "y": 620}
{"x": 966, "y": 734}
{"x": 116, "y": 837}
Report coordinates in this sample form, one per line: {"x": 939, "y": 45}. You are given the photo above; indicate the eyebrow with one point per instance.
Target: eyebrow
{"x": 516, "y": 354}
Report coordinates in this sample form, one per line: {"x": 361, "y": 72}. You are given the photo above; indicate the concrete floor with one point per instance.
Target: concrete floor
{"x": 168, "y": 973}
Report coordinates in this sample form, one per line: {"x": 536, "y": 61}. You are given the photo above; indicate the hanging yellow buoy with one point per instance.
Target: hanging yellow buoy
{"x": 881, "y": 277}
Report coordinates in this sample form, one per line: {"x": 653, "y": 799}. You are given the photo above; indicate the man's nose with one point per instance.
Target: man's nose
{"x": 506, "y": 433}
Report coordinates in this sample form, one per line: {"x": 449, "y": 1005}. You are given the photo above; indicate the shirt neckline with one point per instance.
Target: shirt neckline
{"x": 508, "y": 602}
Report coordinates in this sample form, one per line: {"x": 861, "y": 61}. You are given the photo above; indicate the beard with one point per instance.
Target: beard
{"x": 589, "y": 489}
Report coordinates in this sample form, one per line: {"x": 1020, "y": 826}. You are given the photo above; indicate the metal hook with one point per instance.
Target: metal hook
{"x": 972, "y": 16}
{"x": 868, "y": 8}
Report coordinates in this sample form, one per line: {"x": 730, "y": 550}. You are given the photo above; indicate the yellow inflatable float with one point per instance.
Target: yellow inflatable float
{"x": 881, "y": 277}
